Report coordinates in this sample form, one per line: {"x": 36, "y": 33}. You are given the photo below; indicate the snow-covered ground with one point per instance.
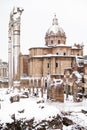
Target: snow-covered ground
{"x": 46, "y": 109}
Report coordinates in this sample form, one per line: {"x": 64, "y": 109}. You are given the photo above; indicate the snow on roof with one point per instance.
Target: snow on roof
{"x": 29, "y": 78}
{"x": 63, "y": 45}
{"x": 3, "y": 63}
{"x": 24, "y": 77}
{"x": 79, "y": 61}
{"x": 75, "y": 47}
{"x": 85, "y": 61}
{"x": 77, "y": 74}
{"x": 3, "y": 80}
{"x": 53, "y": 55}
{"x": 55, "y": 29}
{"x": 57, "y": 82}
{"x": 49, "y": 46}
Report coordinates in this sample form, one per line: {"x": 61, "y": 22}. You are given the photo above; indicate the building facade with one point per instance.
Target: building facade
{"x": 24, "y": 65}
{"x": 55, "y": 56}
{"x": 3, "y": 74}
{"x": 3, "y": 69}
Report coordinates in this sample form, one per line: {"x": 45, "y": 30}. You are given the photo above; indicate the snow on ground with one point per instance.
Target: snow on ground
{"x": 40, "y": 111}
{"x": 29, "y": 105}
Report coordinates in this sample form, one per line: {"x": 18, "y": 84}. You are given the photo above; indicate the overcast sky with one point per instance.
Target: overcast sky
{"x": 37, "y": 18}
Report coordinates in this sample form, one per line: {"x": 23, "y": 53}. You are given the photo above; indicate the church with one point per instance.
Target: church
{"x": 55, "y": 61}
{"x": 55, "y": 56}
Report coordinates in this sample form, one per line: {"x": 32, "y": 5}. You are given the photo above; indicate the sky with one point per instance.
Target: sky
{"x": 37, "y": 18}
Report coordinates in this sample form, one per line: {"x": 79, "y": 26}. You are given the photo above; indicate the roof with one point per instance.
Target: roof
{"x": 56, "y": 82}
{"x": 52, "y": 55}
{"x": 51, "y": 46}
{"x": 55, "y": 29}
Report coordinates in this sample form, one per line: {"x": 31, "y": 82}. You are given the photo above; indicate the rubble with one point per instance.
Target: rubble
{"x": 23, "y": 124}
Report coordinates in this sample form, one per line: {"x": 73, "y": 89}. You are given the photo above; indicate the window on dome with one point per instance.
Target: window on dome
{"x": 51, "y": 41}
{"x": 58, "y": 41}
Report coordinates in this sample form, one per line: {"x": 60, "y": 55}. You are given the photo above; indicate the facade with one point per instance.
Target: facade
{"x": 3, "y": 69}
{"x": 55, "y": 56}
{"x": 3, "y": 74}
{"x": 24, "y": 65}
{"x": 85, "y": 73}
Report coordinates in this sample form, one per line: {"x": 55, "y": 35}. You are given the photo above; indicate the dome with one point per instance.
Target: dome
{"x": 55, "y": 34}
{"x": 55, "y": 29}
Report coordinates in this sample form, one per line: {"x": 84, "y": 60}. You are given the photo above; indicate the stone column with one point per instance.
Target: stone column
{"x": 10, "y": 52}
{"x": 37, "y": 85}
{"x": 16, "y": 43}
{"x": 42, "y": 87}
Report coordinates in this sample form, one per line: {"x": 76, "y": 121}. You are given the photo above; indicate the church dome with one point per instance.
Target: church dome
{"x": 55, "y": 31}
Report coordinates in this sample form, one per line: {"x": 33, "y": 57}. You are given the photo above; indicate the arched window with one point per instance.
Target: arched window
{"x": 51, "y": 41}
{"x": 56, "y": 65}
{"x": 58, "y": 41}
{"x": 48, "y": 65}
